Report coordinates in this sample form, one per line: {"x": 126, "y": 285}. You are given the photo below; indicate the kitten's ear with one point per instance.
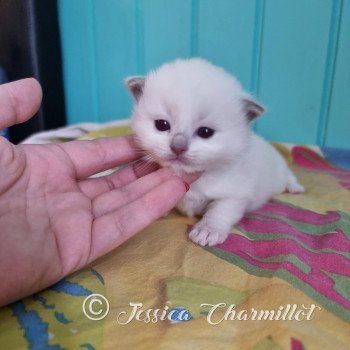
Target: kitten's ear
{"x": 252, "y": 109}
{"x": 135, "y": 85}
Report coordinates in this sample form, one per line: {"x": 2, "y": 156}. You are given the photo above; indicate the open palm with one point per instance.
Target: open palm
{"x": 54, "y": 219}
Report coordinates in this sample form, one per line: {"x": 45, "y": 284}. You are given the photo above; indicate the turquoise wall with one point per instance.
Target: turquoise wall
{"x": 294, "y": 55}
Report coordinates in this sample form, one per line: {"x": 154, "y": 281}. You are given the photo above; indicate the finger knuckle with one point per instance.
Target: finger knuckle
{"x": 8, "y": 152}
{"x": 101, "y": 152}
{"x": 110, "y": 184}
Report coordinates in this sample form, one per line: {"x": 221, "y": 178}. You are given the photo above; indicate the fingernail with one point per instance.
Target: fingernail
{"x": 187, "y": 186}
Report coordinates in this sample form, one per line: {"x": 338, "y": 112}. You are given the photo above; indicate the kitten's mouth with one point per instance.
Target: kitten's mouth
{"x": 179, "y": 160}
{"x": 180, "y": 165}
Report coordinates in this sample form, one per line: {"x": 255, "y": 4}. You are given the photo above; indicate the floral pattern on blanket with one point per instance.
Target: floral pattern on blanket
{"x": 293, "y": 250}
{"x": 53, "y": 319}
{"x": 309, "y": 250}
{"x": 308, "y": 159}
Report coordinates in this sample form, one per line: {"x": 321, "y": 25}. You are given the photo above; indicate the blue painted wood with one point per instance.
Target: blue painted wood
{"x": 257, "y": 46}
{"x": 294, "y": 55}
{"x": 338, "y": 131}
{"x": 194, "y": 27}
{"x": 257, "y": 51}
{"x": 225, "y": 35}
{"x": 292, "y": 68}
{"x": 79, "y": 64}
{"x": 166, "y": 31}
{"x": 140, "y": 47}
{"x": 329, "y": 71}
{"x": 117, "y": 54}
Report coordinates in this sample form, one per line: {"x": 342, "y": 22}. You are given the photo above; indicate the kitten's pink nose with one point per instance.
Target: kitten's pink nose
{"x": 179, "y": 144}
{"x": 178, "y": 150}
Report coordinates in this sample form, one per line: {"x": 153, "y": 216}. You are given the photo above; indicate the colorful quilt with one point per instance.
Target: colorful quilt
{"x": 280, "y": 281}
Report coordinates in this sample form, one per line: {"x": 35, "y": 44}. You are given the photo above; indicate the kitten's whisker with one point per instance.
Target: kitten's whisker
{"x": 148, "y": 161}
{"x": 138, "y": 149}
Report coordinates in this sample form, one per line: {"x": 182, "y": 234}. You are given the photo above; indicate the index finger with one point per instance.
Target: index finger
{"x": 91, "y": 157}
{"x": 19, "y": 101}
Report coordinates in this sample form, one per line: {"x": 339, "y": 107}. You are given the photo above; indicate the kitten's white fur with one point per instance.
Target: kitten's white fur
{"x": 241, "y": 170}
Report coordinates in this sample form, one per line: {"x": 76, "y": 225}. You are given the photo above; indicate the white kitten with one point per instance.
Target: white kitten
{"x": 190, "y": 115}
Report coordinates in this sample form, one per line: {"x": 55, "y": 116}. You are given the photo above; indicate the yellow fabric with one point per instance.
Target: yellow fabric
{"x": 107, "y": 132}
{"x": 160, "y": 267}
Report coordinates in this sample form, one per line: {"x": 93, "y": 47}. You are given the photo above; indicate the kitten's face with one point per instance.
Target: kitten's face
{"x": 189, "y": 116}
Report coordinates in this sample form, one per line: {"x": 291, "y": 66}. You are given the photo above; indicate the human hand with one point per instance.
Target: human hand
{"x": 53, "y": 218}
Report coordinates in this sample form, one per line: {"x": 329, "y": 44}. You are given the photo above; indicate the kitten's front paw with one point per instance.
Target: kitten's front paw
{"x": 204, "y": 235}
{"x": 295, "y": 188}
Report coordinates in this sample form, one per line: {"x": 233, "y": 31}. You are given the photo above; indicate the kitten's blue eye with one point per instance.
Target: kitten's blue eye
{"x": 205, "y": 132}
{"x": 162, "y": 125}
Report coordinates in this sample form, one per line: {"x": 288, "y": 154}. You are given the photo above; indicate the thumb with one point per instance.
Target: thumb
{"x": 19, "y": 101}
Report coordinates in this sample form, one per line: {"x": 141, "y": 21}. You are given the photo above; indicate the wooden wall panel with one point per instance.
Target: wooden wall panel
{"x": 116, "y": 54}
{"x": 226, "y": 35}
{"x": 293, "y": 55}
{"x": 338, "y": 126}
{"x": 77, "y": 32}
{"x": 166, "y": 28}
{"x": 294, "y": 49}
